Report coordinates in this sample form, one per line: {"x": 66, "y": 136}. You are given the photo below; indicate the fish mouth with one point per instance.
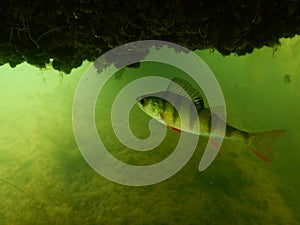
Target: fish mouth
{"x": 142, "y": 100}
{"x": 138, "y": 101}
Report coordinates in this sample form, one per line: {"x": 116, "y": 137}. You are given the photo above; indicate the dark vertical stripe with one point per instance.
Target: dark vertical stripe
{"x": 208, "y": 120}
{"x": 175, "y": 114}
{"x": 193, "y": 116}
{"x": 164, "y": 105}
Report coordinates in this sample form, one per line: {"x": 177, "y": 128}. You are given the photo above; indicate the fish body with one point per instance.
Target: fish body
{"x": 174, "y": 108}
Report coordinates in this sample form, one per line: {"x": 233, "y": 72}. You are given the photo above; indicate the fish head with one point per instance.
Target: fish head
{"x": 151, "y": 105}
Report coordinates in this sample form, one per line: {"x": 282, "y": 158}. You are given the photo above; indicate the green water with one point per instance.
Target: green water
{"x": 45, "y": 180}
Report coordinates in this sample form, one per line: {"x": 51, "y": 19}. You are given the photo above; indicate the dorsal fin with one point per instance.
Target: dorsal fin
{"x": 194, "y": 94}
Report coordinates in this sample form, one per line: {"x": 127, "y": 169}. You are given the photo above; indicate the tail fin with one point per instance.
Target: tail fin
{"x": 261, "y": 143}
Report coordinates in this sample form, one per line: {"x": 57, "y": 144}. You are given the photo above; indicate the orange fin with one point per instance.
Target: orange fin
{"x": 261, "y": 143}
{"x": 213, "y": 144}
{"x": 175, "y": 129}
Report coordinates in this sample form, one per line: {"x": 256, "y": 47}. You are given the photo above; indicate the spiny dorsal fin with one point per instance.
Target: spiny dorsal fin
{"x": 194, "y": 94}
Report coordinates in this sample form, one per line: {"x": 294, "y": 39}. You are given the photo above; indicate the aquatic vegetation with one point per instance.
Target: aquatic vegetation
{"x": 73, "y": 31}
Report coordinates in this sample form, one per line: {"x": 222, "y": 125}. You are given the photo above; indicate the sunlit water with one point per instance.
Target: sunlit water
{"x": 45, "y": 180}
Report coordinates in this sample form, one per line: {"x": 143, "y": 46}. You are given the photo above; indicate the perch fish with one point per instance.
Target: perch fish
{"x": 162, "y": 110}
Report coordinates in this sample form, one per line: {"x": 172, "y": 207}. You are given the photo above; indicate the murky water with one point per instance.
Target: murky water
{"x": 45, "y": 180}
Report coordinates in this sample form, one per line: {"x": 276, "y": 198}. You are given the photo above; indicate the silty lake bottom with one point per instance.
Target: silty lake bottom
{"x": 45, "y": 180}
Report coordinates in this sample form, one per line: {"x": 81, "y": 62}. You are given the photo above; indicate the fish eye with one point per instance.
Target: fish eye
{"x": 143, "y": 101}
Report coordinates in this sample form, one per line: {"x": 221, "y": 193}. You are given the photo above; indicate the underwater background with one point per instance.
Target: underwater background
{"x": 45, "y": 180}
